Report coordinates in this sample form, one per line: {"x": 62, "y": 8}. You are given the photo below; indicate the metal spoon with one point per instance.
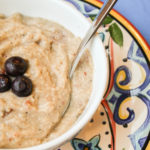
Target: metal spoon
{"x": 91, "y": 32}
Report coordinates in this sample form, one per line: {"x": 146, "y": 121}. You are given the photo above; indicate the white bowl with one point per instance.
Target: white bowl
{"x": 63, "y": 13}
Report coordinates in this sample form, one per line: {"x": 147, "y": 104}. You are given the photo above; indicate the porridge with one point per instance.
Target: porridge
{"x": 48, "y": 50}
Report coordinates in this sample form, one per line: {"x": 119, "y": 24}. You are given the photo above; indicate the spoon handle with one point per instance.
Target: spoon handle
{"x": 93, "y": 29}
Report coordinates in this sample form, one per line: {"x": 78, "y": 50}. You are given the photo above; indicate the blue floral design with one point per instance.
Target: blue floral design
{"x": 92, "y": 144}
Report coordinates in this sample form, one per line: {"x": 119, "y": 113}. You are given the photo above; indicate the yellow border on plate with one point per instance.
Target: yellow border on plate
{"x": 128, "y": 25}
{"x": 148, "y": 146}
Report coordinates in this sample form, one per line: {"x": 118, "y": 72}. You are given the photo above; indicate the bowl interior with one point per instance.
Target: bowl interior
{"x": 65, "y": 14}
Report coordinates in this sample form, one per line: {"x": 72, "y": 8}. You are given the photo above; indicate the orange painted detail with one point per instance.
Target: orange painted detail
{"x": 86, "y": 148}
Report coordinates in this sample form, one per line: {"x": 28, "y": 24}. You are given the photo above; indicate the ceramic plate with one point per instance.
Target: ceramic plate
{"x": 122, "y": 121}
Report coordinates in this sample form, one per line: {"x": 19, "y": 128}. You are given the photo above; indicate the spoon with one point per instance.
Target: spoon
{"x": 91, "y": 32}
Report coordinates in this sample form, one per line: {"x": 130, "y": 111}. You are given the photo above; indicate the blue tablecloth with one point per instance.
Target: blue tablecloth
{"x": 138, "y": 13}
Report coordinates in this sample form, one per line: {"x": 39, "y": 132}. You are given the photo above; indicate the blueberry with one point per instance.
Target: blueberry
{"x": 15, "y": 66}
{"x": 5, "y": 83}
{"x": 22, "y": 86}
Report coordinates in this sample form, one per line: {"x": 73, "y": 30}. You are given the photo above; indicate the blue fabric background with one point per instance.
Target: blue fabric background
{"x": 138, "y": 13}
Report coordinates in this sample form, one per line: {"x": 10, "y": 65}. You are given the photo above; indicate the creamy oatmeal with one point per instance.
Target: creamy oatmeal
{"x": 49, "y": 50}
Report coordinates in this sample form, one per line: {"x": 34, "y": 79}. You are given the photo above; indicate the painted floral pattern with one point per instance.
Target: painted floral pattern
{"x": 92, "y": 144}
{"x": 122, "y": 121}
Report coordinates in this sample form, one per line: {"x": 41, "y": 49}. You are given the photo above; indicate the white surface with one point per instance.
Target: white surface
{"x": 64, "y": 14}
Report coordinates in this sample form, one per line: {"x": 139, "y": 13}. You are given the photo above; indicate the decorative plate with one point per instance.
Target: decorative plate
{"x": 122, "y": 121}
